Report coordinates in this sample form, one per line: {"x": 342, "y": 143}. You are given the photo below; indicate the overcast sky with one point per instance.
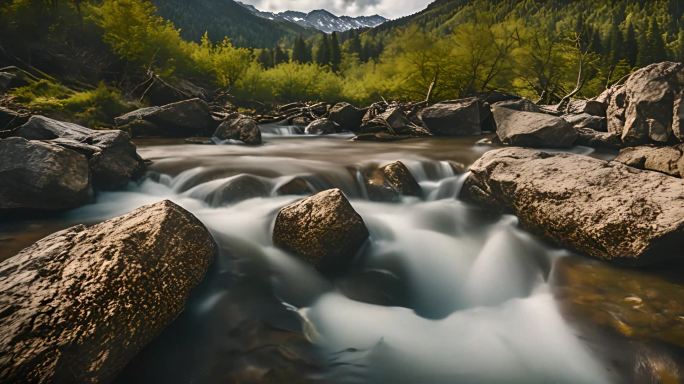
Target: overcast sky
{"x": 388, "y": 8}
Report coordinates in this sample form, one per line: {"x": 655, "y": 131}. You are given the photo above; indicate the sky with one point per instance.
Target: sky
{"x": 389, "y": 8}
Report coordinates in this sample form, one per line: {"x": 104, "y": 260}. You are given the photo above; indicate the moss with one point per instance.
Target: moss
{"x": 95, "y": 108}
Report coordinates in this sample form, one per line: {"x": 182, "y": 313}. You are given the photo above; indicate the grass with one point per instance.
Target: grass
{"x": 93, "y": 108}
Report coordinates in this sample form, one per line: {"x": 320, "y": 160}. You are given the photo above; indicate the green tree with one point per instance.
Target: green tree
{"x": 335, "y": 53}
{"x": 323, "y": 51}
{"x": 280, "y": 56}
{"x": 299, "y": 50}
{"x": 631, "y": 45}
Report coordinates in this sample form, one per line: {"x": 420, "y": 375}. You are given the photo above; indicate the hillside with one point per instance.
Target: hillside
{"x": 227, "y": 18}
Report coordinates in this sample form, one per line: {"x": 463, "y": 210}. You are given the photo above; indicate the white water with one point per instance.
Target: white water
{"x": 470, "y": 299}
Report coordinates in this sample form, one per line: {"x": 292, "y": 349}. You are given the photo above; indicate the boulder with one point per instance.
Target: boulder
{"x": 531, "y": 129}
{"x": 322, "y": 229}
{"x": 393, "y": 120}
{"x": 321, "y": 127}
{"x": 164, "y": 91}
{"x": 585, "y": 120}
{"x": 665, "y": 159}
{"x": 525, "y": 105}
{"x": 645, "y": 109}
{"x": 346, "y": 116}
{"x": 113, "y": 157}
{"x": 10, "y": 119}
{"x": 295, "y": 186}
{"x": 454, "y": 118}
{"x": 37, "y": 175}
{"x": 243, "y": 129}
{"x": 603, "y": 209}
{"x": 301, "y": 121}
{"x": 181, "y": 119}
{"x": 79, "y": 304}
{"x": 590, "y": 107}
{"x": 595, "y": 139}
{"x": 390, "y": 181}
{"x": 237, "y": 189}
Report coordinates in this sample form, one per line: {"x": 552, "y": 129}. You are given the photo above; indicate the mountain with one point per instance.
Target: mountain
{"x": 320, "y": 19}
{"x": 227, "y": 18}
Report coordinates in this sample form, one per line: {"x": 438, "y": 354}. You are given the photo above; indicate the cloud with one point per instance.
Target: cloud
{"x": 388, "y": 8}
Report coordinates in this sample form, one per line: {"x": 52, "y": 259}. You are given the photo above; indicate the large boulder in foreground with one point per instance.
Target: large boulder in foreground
{"x": 79, "y": 304}
{"x": 186, "y": 118}
{"x": 454, "y": 118}
{"x": 38, "y": 175}
{"x": 646, "y": 109}
{"x": 323, "y": 229}
{"x": 346, "y": 116}
{"x": 532, "y": 129}
{"x": 242, "y": 129}
{"x": 603, "y": 209}
{"x": 668, "y": 160}
{"x": 113, "y": 158}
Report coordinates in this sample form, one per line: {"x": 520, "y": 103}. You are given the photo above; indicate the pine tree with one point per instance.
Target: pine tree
{"x": 616, "y": 49}
{"x": 335, "y": 53}
{"x": 679, "y": 46}
{"x": 323, "y": 52}
{"x": 355, "y": 45}
{"x": 645, "y": 52}
{"x": 299, "y": 50}
{"x": 631, "y": 47}
{"x": 265, "y": 58}
{"x": 655, "y": 37}
{"x": 280, "y": 56}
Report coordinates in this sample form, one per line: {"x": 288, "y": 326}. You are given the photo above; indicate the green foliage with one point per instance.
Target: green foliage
{"x": 93, "y": 108}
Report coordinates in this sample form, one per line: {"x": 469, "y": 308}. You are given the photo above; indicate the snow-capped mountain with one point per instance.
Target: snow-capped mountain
{"x": 321, "y": 19}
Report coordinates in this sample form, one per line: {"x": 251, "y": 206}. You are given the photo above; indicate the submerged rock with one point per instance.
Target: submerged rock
{"x": 78, "y": 305}
{"x": 638, "y": 305}
{"x": 323, "y": 229}
{"x": 321, "y": 127}
{"x": 603, "y": 209}
{"x": 389, "y": 182}
{"x": 242, "y": 129}
{"x": 296, "y": 186}
{"x": 531, "y": 129}
{"x": 646, "y": 108}
{"x": 346, "y": 116}
{"x": 455, "y": 118}
{"x": 668, "y": 160}
{"x": 237, "y": 189}
{"x": 113, "y": 157}
{"x": 186, "y": 118}
{"x": 42, "y": 176}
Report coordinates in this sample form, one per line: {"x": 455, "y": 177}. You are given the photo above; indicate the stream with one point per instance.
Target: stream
{"x": 443, "y": 292}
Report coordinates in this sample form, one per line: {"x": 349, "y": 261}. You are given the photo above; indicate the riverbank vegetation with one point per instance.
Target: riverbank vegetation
{"x": 541, "y": 50}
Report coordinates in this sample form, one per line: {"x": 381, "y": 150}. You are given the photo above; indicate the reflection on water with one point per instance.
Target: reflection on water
{"x": 443, "y": 293}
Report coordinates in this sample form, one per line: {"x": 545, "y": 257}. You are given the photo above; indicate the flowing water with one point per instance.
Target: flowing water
{"x": 443, "y": 292}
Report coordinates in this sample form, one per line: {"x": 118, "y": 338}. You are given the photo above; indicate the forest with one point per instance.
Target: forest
{"x": 95, "y": 53}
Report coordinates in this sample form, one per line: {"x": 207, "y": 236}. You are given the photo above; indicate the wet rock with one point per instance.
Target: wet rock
{"x": 346, "y": 116}
{"x": 42, "y": 176}
{"x": 237, "y": 189}
{"x": 380, "y": 137}
{"x": 113, "y": 165}
{"x": 586, "y": 120}
{"x": 181, "y": 119}
{"x": 595, "y": 139}
{"x": 199, "y": 140}
{"x": 645, "y": 110}
{"x": 665, "y": 159}
{"x": 390, "y": 181}
{"x": 531, "y": 129}
{"x": 296, "y": 186}
{"x": 10, "y": 119}
{"x": 79, "y": 304}
{"x": 301, "y": 121}
{"x": 164, "y": 91}
{"x": 323, "y": 229}
{"x": 454, "y": 118}
{"x": 242, "y": 129}
{"x": 321, "y": 127}
{"x": 590, "y": 107}
{"x": 392, "y": 121}
{"x": 639, "y": 305}
{"x": 603, "y": 209}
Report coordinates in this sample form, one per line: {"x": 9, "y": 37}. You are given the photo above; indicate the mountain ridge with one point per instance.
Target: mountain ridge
{"x": 319, "y": 19}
